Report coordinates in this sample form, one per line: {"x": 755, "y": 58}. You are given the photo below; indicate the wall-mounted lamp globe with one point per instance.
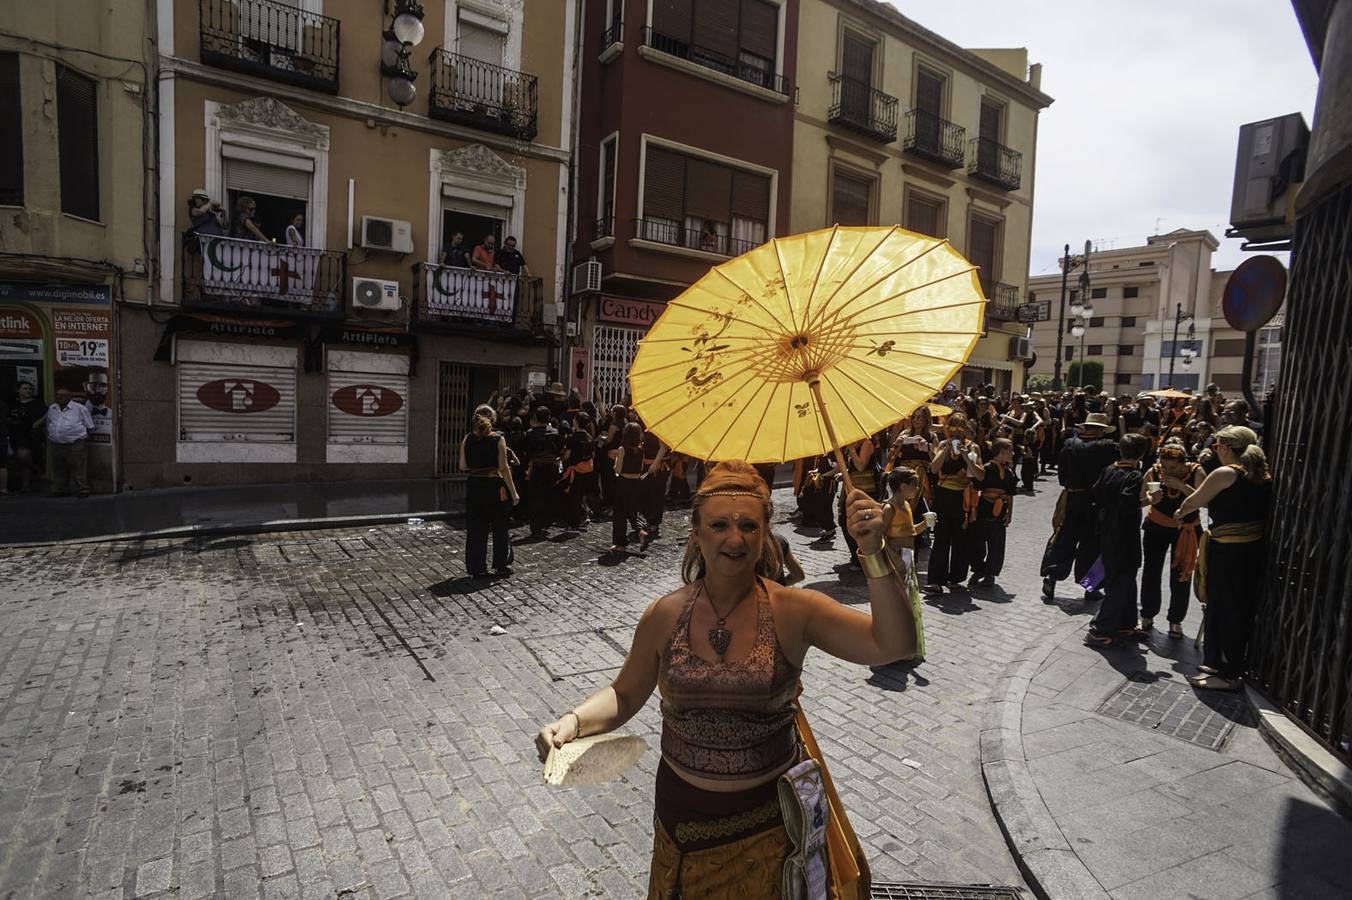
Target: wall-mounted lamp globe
{"x": 1076, "y": 309}
{"x": 1077, "y": 331}
{"x": 402, "y": 90}
{"x": 408, "y": 26}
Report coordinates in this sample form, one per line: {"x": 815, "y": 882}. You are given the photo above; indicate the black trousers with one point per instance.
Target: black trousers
{"x": 1157, "y": 542}
{"x": 624, "y": 509}
{"x": 655, "y": 499}
{"x": 816, "y": 504}
{"x": 579, "y": 497}
{"x": 948, "y": 558}
{"x": 541, "y": 497}
{"x": 1075, "y": 542}
{"x": 1234, "y": 576}
{"x": 1121, "y": 561}
{"x": 485, "y": 515}
{"x": 1028, "y": 469}
{"x": 987, "y": 546}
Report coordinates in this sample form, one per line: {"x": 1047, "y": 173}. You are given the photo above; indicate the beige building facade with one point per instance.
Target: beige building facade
{"x": 75, "y": 171}
{"x": 1140, "y": 296}
{"x": 352, "y": 342}
{"x": 897, "y": 125}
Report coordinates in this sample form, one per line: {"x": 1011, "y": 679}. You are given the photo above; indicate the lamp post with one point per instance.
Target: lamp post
{"x": 1179, "y": 316}
{"x": 1077, "y": 331}
{"x": 1068, "y": 262}
{"x": 405, "y": 32}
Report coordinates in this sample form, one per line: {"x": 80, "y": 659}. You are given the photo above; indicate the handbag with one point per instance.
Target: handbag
{"x": 850, "y": 878}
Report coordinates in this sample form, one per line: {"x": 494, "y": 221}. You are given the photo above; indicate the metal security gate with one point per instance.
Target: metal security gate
{"x": 460, "y": 387}
{"x": 613, "y": 350}
{"x": 1301, "y": 652}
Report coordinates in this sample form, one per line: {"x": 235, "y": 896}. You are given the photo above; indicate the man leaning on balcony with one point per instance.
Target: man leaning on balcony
{"x": 456, "y": 254}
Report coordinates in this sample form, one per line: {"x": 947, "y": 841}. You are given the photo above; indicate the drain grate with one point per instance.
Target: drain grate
{"x": 915, "y": 890}
{"x": 577, "y": 653}
{"x": 1172, "y": 707}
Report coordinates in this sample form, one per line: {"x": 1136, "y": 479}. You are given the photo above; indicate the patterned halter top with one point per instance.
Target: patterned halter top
{"x": 731, "y": 720}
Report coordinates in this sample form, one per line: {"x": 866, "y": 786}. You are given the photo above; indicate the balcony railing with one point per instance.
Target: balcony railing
{"x": 858, "y": 106}
{"x": 477, "y": 301}
{"x": 612, "y": 35}
{"x": 1002, "y": 302}
{"x": 471, "y": 92}
{"x": 603, "y": 227}
{"x": 934, "y": 138}
{"x": 231, "y": 274}
{"x": 668, "y": 231}
{"x": 271, "y": 40}
{"x": 994, "y": 162}
{"x": 750, "y": 68}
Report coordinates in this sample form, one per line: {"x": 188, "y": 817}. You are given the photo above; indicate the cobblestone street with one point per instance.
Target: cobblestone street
{"x": 324, "y": 714}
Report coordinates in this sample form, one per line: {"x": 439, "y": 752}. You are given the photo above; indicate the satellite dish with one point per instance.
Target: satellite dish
{"x": 1254, "y": 292}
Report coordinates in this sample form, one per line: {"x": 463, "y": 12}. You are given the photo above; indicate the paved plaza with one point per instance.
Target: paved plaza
{"x": 343, "y": 714}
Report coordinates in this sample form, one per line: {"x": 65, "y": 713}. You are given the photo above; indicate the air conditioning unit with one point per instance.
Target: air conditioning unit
{"x": 374, "y": 293}
{"x": 386, "y": 234}
{"x": 587, "y": 277}
{"x": 1020, "y": 348}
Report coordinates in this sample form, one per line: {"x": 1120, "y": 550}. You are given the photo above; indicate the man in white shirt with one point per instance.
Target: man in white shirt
{"x": 68, "y": 428}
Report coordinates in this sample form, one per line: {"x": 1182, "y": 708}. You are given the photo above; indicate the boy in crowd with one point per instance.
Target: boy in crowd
{"x": 1119, "y": 495}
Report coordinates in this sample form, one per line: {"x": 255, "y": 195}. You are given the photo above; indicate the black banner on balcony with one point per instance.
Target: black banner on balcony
{"x": 223, "y": 326}
{"x": 359, "y": 337}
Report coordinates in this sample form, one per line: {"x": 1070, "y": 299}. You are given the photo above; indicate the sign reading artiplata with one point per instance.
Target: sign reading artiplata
{"x": 629, "y": 312}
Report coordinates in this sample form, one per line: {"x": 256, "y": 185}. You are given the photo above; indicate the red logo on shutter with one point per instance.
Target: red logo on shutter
{"x": 238, "y": 395}
{"x": 367, "y": 400}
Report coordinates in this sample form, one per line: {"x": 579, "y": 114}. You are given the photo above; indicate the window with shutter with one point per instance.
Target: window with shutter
{"x": 715, "y": 30}
{"x": 77, "y": 115}
{"x": 607, "y": 206}
{"x": 672, "y": 18}
{"x": 478, "y": 42}
{"x": 982, "y": 242}
{"x": 929, "y": 92}
{"x": 708, "y": 190}
{"x": 924, "y": 215}
{"x": 11, "y": 126}
{"x": 759, "y": 41}
{"x": 850, "y": 195}
{"x": 663, "y": 195}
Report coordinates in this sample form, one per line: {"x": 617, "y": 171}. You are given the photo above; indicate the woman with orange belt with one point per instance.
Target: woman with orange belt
{"x": 1238, "y": 499}
{"x": 914, "y": 448}
{"x": 488, "y": 488}
{"x": 955, "y": 465}
{"x": 1163, "y": 534}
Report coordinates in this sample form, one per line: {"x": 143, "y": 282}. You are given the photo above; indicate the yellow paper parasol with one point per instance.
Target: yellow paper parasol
{"x": 1170, "y": 394}
{"x": 868, "y": 323}
{"x": 938, "y": 411}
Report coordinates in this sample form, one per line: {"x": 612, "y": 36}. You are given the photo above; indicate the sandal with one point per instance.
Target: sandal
{"x": 1099, "y": 640}
{"x": 1213, "y": 683}
{"x": 1208, "y": 670}
{"x": 1133, "y": 634}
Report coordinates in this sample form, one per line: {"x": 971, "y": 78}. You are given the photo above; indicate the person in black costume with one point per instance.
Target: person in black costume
{"x": 1074, "y": 537}
{"x": 543, "y": 448}
{"x": 578, "y": 482}
{"x": 1118, "y": 495}
{"x": 488, "y": 490}
{"x": 628, "y": 489}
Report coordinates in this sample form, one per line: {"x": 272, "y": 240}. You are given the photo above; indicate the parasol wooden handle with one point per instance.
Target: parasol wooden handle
{"x": 816, "y": 386}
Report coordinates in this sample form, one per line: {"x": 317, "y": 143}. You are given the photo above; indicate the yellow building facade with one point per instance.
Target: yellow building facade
{"x": 895, "y": 125}
{"x": 76, "y": 167}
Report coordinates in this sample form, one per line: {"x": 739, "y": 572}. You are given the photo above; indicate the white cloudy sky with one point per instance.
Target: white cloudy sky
{"x": 1149, "y": 95}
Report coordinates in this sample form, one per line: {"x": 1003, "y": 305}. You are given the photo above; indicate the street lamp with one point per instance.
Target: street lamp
{"x": 403, "y": 34}
{"x": 1068, "y": 262}
{"x": 1179, "y": 316}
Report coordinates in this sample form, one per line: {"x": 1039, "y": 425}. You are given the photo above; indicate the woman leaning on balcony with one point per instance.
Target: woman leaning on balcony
{"x": 244, "y": 226}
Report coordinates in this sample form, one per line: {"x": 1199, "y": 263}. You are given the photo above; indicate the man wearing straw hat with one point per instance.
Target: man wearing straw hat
{"x": 1075, "y": 539}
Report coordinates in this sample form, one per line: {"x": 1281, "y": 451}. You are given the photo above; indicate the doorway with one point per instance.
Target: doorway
{"x": 460, "y": 388}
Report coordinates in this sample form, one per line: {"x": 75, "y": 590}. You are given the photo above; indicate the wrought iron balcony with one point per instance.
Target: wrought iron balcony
{"x": 471, "y": 92}
{"x": 603, "y": 227}
{"x": 858, "y": 106}
{"x": 231, "y": 274}
{"x": 668, "y": 231}
{"x": 612, "y": 35}
{"x": 1002, "y": 301}
{"x": 934, "y": 138}
{"x": 751, "y": 69}
{"x": 271, "y": 40}
{"x": 995, "y": 163}
{"x": 474, "y": 301}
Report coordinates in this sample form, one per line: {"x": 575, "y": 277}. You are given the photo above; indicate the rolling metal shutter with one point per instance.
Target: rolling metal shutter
{"x": 708, "y": 190}
{"x": 751, "y": 196}
{"x": 347, "y": 428}
{"x": 760, "y": 28}
{"x": 11, "y": 125}
{"x": 663, "y": 184}
{"x": 251, "y": 171}
{"x": 716, "y": 28}
{"x": 232, "y": 402}
{"x": 671, "y": 18}
{"x": 77, "y": 117}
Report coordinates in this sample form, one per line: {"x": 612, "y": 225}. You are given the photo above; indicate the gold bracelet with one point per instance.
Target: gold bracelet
{"x": 875, "y": 565}
{"x": 573, "y": 713}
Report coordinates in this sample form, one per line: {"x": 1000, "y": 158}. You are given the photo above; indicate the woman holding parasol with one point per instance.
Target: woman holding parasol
{"x": 865, "y": 323}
